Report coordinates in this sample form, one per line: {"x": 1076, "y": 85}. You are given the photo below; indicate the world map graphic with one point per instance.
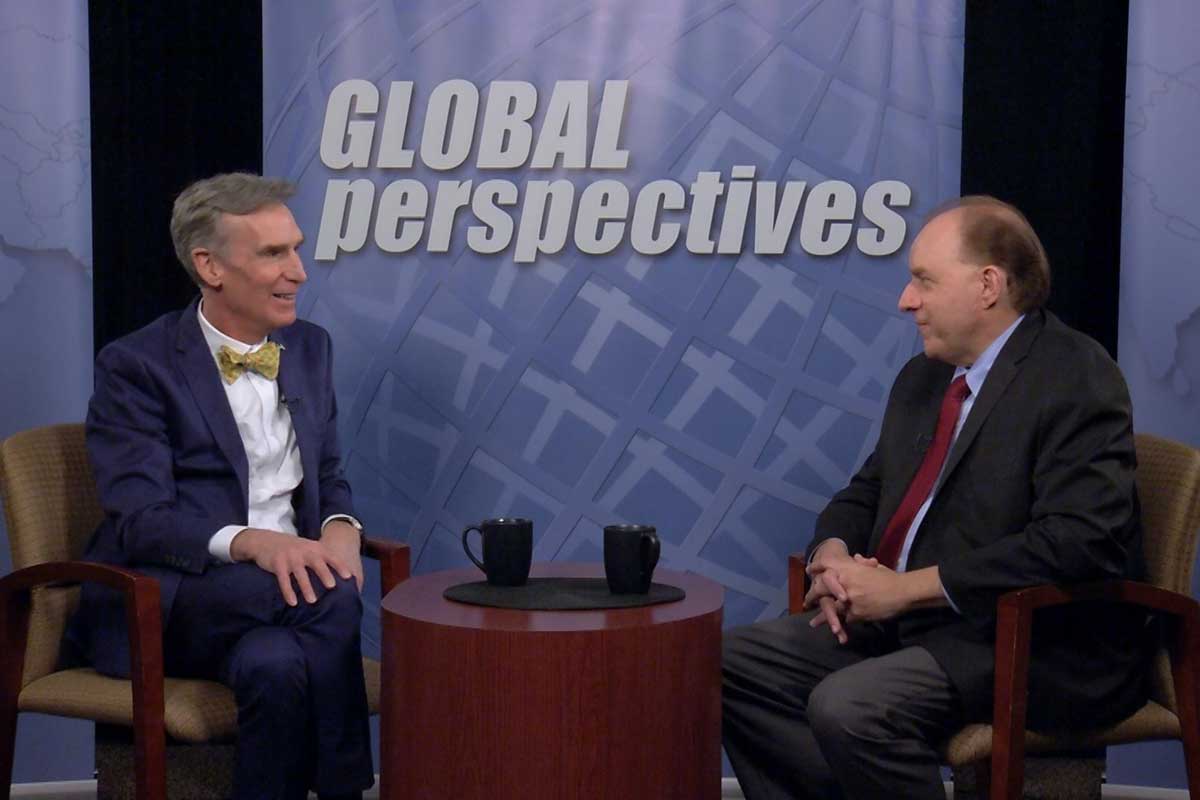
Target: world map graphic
{"x": 1160, "y": 249}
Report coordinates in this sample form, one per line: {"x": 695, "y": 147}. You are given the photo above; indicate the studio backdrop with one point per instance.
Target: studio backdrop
{"x": 602, "y": 262}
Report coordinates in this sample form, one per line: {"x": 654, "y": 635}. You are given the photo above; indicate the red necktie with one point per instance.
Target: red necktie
{"x": 922, "y": 483}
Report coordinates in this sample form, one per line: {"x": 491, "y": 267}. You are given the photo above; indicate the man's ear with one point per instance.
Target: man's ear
{"x": 995, "y": 285}
{"x": 207, "y": 267}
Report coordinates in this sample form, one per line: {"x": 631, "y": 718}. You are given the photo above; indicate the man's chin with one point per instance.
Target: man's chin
{"x": 283, "y": 317}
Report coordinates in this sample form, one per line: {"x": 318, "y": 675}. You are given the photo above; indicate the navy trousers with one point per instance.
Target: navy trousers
{"x": 296, "y": 673}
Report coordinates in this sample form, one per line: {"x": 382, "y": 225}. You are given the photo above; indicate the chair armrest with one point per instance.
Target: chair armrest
{"x": 1014, "y": 624}
{"x": 394, "y": 559}
{"x": 52, "y": 573}
{"x": 797, "y": 583}
{"x": 1146, "y": 595}
{"x": 143, "y": 617}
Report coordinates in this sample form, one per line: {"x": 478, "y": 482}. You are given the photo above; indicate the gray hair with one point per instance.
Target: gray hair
{"x": 198, "y": 210}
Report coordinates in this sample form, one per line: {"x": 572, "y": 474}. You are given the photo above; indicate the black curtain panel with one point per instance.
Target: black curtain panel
{"x": 176, "y": 95}
{"x": 1043, "y": 128}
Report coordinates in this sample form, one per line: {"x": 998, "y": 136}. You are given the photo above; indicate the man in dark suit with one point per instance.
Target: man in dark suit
{"x": 1005, "y": 460}
{"x": 212, "y": 433}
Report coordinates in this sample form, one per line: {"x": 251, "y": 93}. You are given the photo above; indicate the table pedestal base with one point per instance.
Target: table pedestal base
{"x": 612, "y": 714}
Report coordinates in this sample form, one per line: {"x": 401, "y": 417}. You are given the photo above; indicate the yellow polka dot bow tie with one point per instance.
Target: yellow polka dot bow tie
{"x": 264, "y": 361}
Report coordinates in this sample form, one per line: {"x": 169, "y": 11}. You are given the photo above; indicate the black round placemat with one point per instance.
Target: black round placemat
{"x": 559, "y": 594}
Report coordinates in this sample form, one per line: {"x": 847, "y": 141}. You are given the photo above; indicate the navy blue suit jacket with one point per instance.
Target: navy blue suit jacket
{"x": 169, "y": 463}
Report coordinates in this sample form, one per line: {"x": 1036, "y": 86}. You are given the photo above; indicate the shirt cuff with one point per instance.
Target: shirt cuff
{"x": 354, "y": 523}
{"x": 218, "y": 545}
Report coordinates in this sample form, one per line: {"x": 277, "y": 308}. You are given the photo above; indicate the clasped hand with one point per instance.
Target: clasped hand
{"x": 849, "y": 589}
{"x": 290, "y": 557}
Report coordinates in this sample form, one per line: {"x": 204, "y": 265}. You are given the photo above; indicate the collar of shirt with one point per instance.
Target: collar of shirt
{"x": 214, "y": 338}
{"x": 977, "y": 372}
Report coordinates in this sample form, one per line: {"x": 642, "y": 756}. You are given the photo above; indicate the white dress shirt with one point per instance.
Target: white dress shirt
{"x": 265, "y": 427}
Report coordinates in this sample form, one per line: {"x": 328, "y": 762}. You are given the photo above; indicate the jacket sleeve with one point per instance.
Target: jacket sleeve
{"x": 133, "y": 463}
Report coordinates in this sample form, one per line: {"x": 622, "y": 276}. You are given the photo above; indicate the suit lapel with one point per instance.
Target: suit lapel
{"x": 205, "y": 383}
{"x": 1007, "y": 365}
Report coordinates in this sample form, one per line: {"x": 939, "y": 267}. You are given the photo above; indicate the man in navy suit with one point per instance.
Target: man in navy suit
{"x": 212, "y": 433}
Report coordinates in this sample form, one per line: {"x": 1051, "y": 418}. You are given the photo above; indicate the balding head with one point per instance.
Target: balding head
{"x": 996, "y": 233}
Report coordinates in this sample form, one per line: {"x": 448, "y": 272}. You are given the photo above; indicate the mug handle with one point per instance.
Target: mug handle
{"x": 467, "y": 548}
{"x": 651, "y": 549}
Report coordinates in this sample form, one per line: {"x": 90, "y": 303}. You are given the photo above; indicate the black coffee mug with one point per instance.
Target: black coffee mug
{"x": 630, "y": 555}
{"x": 507, "y": 550}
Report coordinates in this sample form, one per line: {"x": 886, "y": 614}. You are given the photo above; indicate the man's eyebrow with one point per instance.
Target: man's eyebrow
{"x": 276, "y": 247}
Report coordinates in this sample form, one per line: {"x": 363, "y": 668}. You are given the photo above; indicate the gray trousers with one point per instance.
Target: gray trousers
{"x": 805, "y": 717}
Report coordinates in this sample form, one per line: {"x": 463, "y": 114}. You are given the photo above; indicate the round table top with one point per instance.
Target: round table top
{"x": 420, "y": 599}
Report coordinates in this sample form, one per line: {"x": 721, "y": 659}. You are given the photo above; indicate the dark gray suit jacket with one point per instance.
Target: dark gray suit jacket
{"x": 1038, "y": 488}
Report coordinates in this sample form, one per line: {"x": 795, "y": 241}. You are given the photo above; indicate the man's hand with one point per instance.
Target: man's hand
{"x": 290, "y": 557}
{"x": 829, "y": 554}
{"x": 877, "y": 593}
{"x": 831, "y": 613}
{"x": 872, "y": 592}
{"x": 344, "y": 541}
{"x": 826, "y": 590}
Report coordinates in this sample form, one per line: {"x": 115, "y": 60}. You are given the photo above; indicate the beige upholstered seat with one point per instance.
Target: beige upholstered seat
{"x": 51, "y": 509}
{"x": 195, "y": 711}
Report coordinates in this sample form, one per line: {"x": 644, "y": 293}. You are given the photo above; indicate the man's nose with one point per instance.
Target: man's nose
{"x": 908, "y": 299}
{"x": 296, "y": 272}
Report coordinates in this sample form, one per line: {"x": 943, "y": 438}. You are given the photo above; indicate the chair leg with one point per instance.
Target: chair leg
{"x": 8, "y": 743}
{"x": 14, "y": 625}
{"x": 1185, "y": 660}
{"x": 1008, "y": 774}
{"x": 10, "y": 687}
{"x": 1189, "y": 725}
{"x": 1191, "y": 755}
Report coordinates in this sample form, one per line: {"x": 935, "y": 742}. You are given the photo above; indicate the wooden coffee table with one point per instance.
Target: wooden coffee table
{"x": 492, "y": 703}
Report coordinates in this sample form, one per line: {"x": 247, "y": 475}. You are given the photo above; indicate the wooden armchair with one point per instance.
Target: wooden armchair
{"x": 51, "y": 509}
{"x": 1168, "y": 482}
